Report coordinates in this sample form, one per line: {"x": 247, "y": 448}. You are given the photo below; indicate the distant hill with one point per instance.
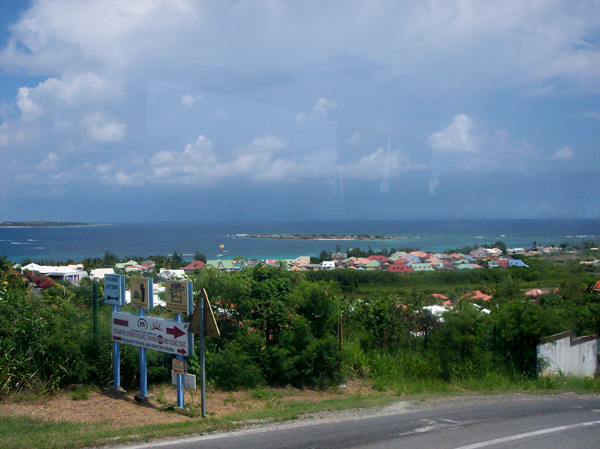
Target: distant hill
{"x": 42, "y": 224}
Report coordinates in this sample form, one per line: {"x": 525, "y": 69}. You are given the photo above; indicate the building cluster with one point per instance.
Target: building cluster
{"x": 402, "y": 262}
{"x": 399, "y": 262}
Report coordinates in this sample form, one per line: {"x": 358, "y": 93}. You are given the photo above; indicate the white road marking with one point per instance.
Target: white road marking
{"x": 529, "y": 434}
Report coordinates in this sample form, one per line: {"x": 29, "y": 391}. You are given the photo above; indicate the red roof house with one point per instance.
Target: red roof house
{"x": 478, "y": 295}
{"x": 195, "y": 265}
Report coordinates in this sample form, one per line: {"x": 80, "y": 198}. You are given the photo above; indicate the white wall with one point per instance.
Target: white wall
{"x": 567, "y": 355}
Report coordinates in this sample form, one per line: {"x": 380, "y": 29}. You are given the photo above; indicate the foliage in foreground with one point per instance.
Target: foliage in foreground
{"x": 281, "y": 328}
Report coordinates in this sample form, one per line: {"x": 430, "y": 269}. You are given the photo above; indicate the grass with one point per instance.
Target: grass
{"x": 23, "y": 432}
{"x": 20, "y": 432}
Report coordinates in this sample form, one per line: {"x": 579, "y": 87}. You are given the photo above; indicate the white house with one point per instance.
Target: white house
{"x": 62, "y": 273}
{"x": 329, "y": 264}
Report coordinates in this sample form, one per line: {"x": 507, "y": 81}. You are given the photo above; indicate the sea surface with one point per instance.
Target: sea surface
{"x": 145, "y": 239}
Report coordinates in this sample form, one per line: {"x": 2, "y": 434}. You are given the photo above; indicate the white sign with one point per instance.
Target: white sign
{"x": 151, "y": 333}
{"x": 179, "y": 366}
{"x": 114, "y": 289}
{"x": 189, "y": 380}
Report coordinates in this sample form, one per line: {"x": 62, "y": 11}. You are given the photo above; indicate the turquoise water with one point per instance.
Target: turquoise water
{"x": 144, "y": 239}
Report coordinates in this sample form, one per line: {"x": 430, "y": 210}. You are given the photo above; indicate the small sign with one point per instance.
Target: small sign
{"x": 114, "y": 289}
{"x": 189, "y": 380}
{"x": 149, "y": 332}
{"x": 210, "y": 324}
{"x": 141, "y": 292}
{"x": 179, "y": 366}
{"x": 177, "y": 296}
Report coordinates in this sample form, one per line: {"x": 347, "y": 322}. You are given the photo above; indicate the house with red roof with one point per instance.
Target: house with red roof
{"x": 419, "y": 254}
{"x": 195, "y": 265}
{"x": 379, "y": 258}
{"x": 534, "y": 293}
{"x": 397, "y": 267}
{"x": 477, "y": 294}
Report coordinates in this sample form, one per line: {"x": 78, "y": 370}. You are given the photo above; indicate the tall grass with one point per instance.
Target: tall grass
{"x": 410, "y": 372}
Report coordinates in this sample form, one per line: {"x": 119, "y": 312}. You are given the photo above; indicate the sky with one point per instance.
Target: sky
{"x": 177, "y": 110}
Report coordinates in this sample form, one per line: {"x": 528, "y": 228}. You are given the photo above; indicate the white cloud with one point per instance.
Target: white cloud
{"x": 355, "y": 139}
{"x": 122, "y": 179}
{"x": 373, "y": 166}
{"x": 201, "y": 163}
{"x": 322, "y": 107}
{"x": 320, "y": 110}
{"x": 463, "y": 147}
{"x": 29, "y": 110}
{"x": 48, "y": 164}
{"x": 267, "y": 144}
{"x": 96, "y": 58}
{"x": 563, "y": 154}
{"x": 101, "y": 129}
{"x": 592, "y": 114}
{"x": 510, "y": 42}
{"x": 456, "y": 137}
{"x": 190, "y": 100}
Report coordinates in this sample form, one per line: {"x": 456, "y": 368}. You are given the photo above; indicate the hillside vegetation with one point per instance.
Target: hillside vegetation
{"x": 313, "y": 329}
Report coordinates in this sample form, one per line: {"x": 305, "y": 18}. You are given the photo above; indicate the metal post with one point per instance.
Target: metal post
{"x": 341, "y": 330}
{"x": 180, "y": 391}
{"x": 95, "y": 320}
{"x": 203, "y": 376}
{"x": 116, "y": 359}
{"x": 143, "y": 368}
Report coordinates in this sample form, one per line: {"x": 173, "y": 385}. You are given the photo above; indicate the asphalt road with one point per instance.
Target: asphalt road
{"x": 522, "y": 422}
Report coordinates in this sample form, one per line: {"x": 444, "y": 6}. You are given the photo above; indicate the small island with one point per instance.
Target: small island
{"x": 43, "y": 224}
{"x": 324, "y": 237}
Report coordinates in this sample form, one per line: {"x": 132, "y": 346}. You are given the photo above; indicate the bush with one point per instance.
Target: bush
{"x": 229, "y": 368}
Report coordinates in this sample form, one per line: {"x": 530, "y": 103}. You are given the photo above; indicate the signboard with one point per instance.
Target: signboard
{"x": 141, "y": 292}
{"x": 179, "y": 366}
{"x": 114, "y": 289}
{"x": 210, "y": 324}
{"x": 189, "y": 380}
{"x": 178, "y": 295}
{"x": 148, "y": 332}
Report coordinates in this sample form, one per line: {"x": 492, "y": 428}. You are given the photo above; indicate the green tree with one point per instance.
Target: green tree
{"x": 521, "y": 323}
{"x": 200, "y": 256}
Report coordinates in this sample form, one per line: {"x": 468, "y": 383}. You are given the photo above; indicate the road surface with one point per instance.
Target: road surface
{"x": 519, "y": 421}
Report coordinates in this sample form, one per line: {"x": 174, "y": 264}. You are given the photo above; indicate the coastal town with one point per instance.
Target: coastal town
{"x": 398, "y": 262}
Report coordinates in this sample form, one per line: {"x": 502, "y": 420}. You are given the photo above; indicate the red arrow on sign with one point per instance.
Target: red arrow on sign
{"x": 182, "y": 351}
{"x": 175, "y": 331}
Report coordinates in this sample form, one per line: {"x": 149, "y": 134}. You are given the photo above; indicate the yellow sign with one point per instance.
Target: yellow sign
{"x": 176, "y": 297}
{"x": 210, "y": 324}
{"x": 141, "y": 292}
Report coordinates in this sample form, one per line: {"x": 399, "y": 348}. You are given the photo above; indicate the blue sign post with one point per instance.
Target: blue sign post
{"x": 147, "y": 332}
{"x": 114, "y": 293}
{"x": 142, "y": 296}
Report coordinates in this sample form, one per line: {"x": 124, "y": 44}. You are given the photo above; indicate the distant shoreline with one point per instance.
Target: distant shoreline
{"x": 324, "y": 237}
{"x": 46, "y": 224}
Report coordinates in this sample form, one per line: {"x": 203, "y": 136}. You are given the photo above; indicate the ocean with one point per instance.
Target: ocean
{"x": 145, "y": 239}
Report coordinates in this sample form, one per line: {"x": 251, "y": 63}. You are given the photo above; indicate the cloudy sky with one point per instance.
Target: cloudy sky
{"x": 181, "y": 110}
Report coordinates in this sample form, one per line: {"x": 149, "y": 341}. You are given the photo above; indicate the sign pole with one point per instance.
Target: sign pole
{"x": 116, "y": 359}
{"x": 143, "y": 368}
{"x": 203, "y": 377}
{"x": 114, "y": 293}
{"x": 180, "y": 391}
{"x": 202, "y": 324}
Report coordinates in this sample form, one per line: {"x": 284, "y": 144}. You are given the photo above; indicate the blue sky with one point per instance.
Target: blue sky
{"x": 181, "y": 110}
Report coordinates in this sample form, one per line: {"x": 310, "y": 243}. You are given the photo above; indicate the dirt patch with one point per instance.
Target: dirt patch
{"x": 122, "y": 410}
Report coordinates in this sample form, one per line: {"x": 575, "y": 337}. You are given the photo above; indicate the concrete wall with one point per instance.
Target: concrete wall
{"x": 567, "y": 355}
